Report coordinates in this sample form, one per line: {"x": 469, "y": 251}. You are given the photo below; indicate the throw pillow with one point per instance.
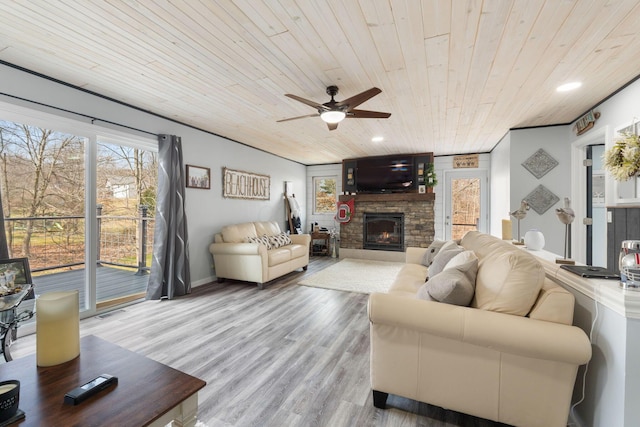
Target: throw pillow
{"x": 451, "y": 287}
{"x": 279, "y": 240}
{"x": 432, "y": 251}
{"x": 263, "y": 240}
{"x": 446, "y": 253}
{"x": 423, "y": 293}
{"x": 466, "y": 261}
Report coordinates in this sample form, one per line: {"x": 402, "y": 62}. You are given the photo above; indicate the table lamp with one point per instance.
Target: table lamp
{"x": 57, "y": 328}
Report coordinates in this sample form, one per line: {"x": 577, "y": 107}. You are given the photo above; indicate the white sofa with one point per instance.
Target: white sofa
{"x": 235, "y": 256}
{"x": 481, "y": 359}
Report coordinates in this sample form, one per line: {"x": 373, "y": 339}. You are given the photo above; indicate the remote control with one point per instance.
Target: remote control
{"x": 82, "y": 393}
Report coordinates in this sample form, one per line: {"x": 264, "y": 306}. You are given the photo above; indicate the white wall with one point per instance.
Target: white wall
{"x": 525, "y": 142}
{"x": 611, "y": 393}
{"x": 500, "y": 186}
{"x": 616, "y": 112}
{"x": 207, "y": 211}
{"x": 612, "y": 386}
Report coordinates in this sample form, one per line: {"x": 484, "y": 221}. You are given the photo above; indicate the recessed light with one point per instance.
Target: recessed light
{"x": 377, "y": 139}
{"x": 569, "y": 86}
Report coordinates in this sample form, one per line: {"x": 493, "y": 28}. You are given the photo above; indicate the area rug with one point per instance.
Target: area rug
{"x": 356, "y": 275}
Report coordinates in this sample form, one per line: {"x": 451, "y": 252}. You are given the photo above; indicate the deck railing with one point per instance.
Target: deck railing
{"x": 58, "y": 242}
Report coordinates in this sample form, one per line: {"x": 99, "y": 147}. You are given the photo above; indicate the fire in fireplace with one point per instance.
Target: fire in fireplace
{"x": 383, "y": 231}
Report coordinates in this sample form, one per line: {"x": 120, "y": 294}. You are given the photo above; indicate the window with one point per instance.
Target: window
{"x": 324, "y": 195}
{"x": 78, "y": 201}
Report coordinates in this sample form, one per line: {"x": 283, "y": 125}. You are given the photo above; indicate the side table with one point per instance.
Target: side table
{"x": 320, "y": 249}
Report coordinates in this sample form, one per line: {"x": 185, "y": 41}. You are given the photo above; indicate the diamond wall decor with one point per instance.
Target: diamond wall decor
{"x": 541, "y": 199}
{"x": 540, "y": 163}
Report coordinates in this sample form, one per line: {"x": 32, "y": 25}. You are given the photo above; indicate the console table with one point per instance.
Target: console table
{"x": 148, "y": 393}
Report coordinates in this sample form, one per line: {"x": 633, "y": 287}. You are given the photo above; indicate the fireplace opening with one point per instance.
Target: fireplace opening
{"x": 383, "y": 231}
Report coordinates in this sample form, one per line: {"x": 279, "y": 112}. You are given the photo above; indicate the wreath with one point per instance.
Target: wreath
{"x": 623, "y": 159}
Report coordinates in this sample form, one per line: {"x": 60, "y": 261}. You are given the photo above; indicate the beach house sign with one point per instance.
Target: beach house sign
{"x": 245, "y": 185}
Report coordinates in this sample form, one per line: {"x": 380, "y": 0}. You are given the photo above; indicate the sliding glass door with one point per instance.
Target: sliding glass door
{"x": 80, "y": 206}
{"x": 126, "y": 178}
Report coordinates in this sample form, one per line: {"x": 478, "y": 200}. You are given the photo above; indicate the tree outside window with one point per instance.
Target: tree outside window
{"x": 324, "y": 195}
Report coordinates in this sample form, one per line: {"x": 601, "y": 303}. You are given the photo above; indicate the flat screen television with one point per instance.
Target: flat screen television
{"x": 388, "y": 174}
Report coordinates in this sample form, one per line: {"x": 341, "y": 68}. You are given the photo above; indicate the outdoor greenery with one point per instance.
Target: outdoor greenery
{"x": 42, "y": 179}
{"x": 325, "y": 195}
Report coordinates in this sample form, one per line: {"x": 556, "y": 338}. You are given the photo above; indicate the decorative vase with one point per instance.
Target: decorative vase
{"x": 534, "y": 240}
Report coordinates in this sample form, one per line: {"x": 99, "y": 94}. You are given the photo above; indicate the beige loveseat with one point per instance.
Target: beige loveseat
{"x": 511, "y": 356}
{"x": 258, "y": 252}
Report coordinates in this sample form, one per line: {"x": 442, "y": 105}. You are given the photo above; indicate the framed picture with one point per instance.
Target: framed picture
{"x": 14, "y": 272}
{"x": 198, "y": 177}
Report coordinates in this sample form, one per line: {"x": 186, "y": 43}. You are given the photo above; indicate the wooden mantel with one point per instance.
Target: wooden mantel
{"x": 391, "y": 197}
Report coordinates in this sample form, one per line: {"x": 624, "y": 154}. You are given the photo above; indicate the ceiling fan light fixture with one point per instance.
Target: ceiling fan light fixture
{"x": 333, "y": 116}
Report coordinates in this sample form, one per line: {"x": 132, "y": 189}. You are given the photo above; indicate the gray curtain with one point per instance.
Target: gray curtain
{"x": 170, "y": 275}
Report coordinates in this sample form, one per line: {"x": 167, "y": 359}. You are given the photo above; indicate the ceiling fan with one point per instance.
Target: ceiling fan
{"x": 333, "y": 112}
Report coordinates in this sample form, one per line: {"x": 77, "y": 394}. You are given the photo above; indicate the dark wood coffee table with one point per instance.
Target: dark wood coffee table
{"x": 148, "y": 393}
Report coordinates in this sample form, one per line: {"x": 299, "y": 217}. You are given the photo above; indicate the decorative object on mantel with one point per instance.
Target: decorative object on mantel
{"x": 345, "y": 211}
{"x": 629, "y": 264}
{"x": 426, "y": 177}
{"x": 622, "y": 160}
{"x": 540, "y": 163}
{"x": 566, "y": 215}
{"x": 534, "y": 240}
{"x": 431, "y": 178}
{"x": 466, "y": 161}
{"x": 245, "y": 185}
{"x": 541, "y": 199}
{"x": 586, "y": 122}
{"x": 519, "y": 214}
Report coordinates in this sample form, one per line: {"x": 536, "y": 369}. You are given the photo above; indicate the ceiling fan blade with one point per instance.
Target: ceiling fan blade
{"x": 299, "y": 117}
{"x": 332, "y": 126}
{"x": 358, "y": 99}
{"x": 364, "y": 114}
{"x": 305, "y": 101}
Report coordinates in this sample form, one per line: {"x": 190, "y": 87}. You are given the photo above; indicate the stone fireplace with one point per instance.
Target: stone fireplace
{"x": 383, "y": 231}
{"x": 417, "y": 211}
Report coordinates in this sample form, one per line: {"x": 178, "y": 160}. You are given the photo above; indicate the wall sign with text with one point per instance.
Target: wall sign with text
{"x": 245, "y": 185}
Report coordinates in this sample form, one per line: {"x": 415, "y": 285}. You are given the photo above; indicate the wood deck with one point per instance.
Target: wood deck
{"x": 112, "y": 283}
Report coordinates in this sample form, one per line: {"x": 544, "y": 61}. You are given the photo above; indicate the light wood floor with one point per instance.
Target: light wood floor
{"x": 288, "y": 355}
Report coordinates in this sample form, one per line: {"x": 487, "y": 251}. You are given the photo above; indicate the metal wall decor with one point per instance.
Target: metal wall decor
{"x": 245, "y": 185}
{"x": 540, "y": 163}
{"x": 541, "y": 199}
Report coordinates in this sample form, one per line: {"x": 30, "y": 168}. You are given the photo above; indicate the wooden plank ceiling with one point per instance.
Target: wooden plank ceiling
{"x": 455, "y": 75}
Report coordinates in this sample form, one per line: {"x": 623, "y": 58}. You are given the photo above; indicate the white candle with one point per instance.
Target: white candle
{"x": 7, "y": 387}
{"x": 57, "y": 328}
